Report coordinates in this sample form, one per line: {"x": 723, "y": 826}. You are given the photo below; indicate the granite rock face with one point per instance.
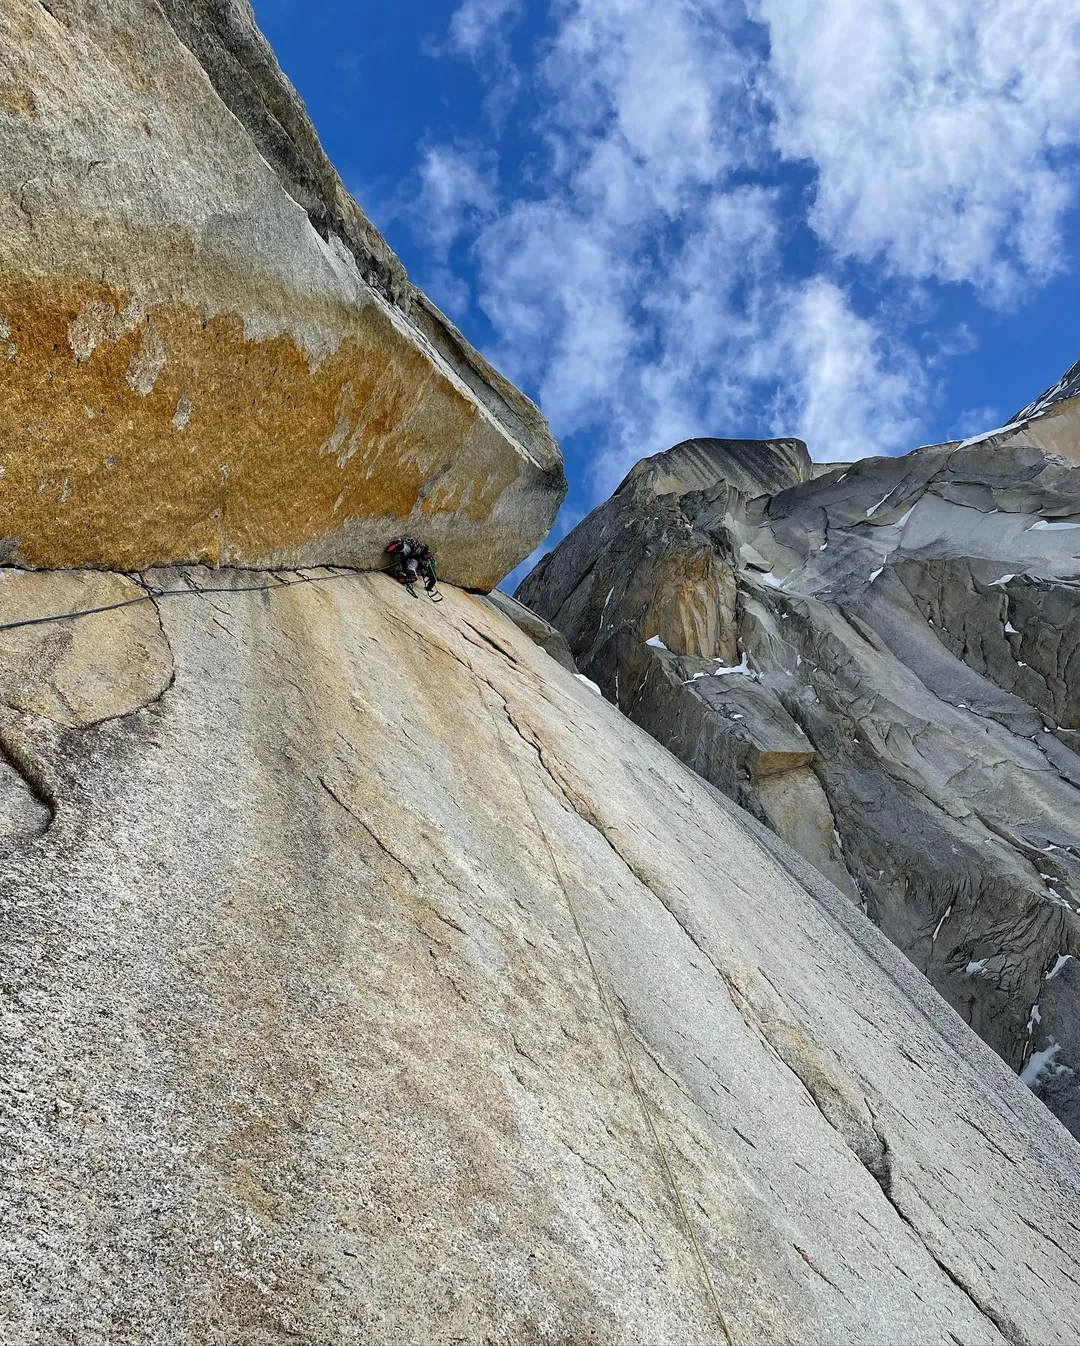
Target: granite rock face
{"x": 368, "y": 978}
{"x": 1058, "y": 402}
{"x": 540, "y": 632}
{"x": 207, "y": 352}
{"x": 881, "y": 662}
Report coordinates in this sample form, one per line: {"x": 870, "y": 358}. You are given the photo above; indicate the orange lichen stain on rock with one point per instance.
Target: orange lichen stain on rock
{"x": 130, "y": 437}
{"x": 686, "y": 607}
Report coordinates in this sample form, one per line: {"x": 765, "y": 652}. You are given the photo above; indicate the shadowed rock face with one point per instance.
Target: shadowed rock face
{"x": 325, "y": 967}
{"x": 883, "y": 664}
{"x": 206, "y": 350}
{"x": 542, "y": 633}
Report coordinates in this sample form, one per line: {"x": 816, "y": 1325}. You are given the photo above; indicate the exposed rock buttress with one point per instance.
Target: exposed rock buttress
{"x": 881, "y": 663}
{"x": 207, "y": 353}
{"x": 377, "y": 981}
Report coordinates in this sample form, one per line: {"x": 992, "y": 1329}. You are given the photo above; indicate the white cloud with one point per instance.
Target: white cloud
{"x": 634, "y": 271}
{"x": 647, "y": 90}
{"x": 479, "y": 29}
{"x": 960, "y": 340}
{"x": 975, "y": 421}
{"x": 616, "y": 294}
{"x": 477, "y": 24}
{"x": 855, "y": 393}
{"x": 932, "y": 129}
{"x": 456, "y": 192}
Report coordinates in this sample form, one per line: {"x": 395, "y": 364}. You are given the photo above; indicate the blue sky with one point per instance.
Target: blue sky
{"x": 850, "y": 220}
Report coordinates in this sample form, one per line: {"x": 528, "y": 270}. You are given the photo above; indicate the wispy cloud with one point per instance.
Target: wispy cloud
{"x": 975, "y": 420}
{"x": 636, "y": 268}
{"x": 477, "y": 24}
{"x": 456, "y": 195}
{"x": 934, "y": 130}
{"x": 854, "y": 391}
{"x": 481, "y": 29}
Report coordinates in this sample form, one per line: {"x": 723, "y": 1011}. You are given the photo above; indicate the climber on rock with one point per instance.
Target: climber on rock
{"x": 411, "y": 560}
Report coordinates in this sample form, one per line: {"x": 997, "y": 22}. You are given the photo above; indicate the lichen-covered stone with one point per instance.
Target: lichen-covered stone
{"x": 207, "y": 352}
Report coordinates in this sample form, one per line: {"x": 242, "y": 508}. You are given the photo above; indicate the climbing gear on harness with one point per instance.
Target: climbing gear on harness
{"x": 411, "y": 560}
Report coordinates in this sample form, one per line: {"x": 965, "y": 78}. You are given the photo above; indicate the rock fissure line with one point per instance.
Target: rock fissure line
{"x": 740, "y": 1211}
{"x": 215, "y": 356}
{"x": 883, "y": 1175}
{"x": 152, "y": 594}
{"x": 370, "y": 831}
{"x": 658, "y": 1062}
{"x": 1049, "y": 1238}
{"x": 878, "y": 1167}
{"x": 170, "y": 683}
{"x": 602, "y": 993}
{"x": 817, "y": 1270}
{"x": 1008, "y": 1330}
{"x": 907, "y": 652}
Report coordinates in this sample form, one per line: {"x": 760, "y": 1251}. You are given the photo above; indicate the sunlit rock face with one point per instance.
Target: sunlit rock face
{"x": 207, "y": 353}
{"x": 367, "y": 978}
{"x": 1052, "y": 420}
{"x": 882, "y": 662}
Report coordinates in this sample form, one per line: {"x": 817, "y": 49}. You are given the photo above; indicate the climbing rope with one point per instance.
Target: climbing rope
{"x": 152, "y": 593}
{"x": 619, "y": 1038}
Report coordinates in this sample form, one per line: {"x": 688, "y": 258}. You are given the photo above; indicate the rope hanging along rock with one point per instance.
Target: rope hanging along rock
{"x": 152, "y": 593}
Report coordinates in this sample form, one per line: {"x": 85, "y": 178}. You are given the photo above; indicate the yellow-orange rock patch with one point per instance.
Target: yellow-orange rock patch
{"x": 130, "y": 438}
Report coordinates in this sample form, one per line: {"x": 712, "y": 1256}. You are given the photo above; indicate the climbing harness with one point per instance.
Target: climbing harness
{"x": 639, "y": 1092}
{"x": 412, "y": 560}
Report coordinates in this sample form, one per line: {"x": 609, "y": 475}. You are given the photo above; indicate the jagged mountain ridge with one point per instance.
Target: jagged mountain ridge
{"x": 1066, "y": 388}
{"x": 899, "y": 647}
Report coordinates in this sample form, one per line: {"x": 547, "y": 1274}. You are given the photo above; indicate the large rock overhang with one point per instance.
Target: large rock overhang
{"x": 189, "y": 370}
